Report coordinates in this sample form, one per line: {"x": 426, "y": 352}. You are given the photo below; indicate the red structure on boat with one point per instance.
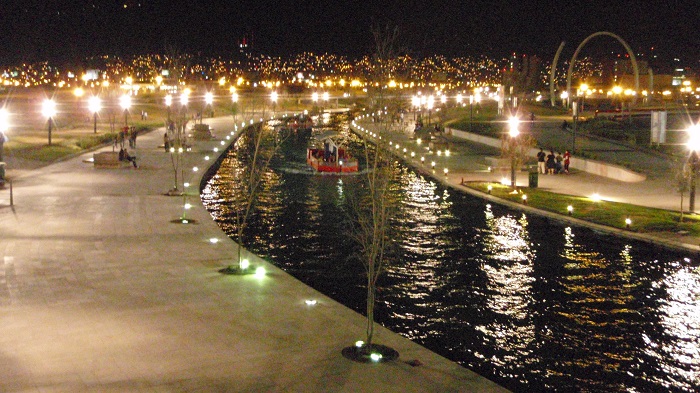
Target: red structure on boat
{"x": 331, "y": 158}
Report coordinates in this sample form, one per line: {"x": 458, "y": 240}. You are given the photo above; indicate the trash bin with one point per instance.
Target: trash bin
{"x": 532, "y": 178}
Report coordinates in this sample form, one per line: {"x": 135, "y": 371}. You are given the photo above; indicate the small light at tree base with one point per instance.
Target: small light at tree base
{"x": 245, "y": 264}
{"x": 311, "y": 302}
{"x": 525, "y": 199}
{"x": 213, "y": 240}
{"x": 359, "y": 344}
{"x": 187, "y": 206}
{"x": 376, "y": 357}
{"x": 489, "y": 188}
{"x": 260, "y": 272}
{"x": 570, "y": 209}
{"x": 186, "y": 184}
{"x": 628, "y": 222}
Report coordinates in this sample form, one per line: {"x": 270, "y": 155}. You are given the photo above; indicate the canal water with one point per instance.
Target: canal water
{"x": 533, "y": 304}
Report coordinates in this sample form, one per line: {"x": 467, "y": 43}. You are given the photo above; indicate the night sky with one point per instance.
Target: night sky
{"x": 66, "y": 30}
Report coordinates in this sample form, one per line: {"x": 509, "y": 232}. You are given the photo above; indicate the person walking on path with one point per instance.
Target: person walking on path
{"x": 540, "y": 162}
{"x": 567, "y": 160}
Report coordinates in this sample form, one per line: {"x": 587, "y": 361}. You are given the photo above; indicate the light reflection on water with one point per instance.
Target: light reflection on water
{"x": 533, "y": 304}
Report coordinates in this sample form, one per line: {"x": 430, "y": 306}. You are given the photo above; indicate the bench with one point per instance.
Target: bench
{"x": 108, "y": 159}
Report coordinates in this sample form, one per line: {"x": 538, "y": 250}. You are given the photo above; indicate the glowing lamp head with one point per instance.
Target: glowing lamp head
{"x": 125, "y": 102}
{"x": 94, "y": 104}
{"x": 513, "y": 123}
{"x": 694, "y": 137}
{"x": 48, "y": 108}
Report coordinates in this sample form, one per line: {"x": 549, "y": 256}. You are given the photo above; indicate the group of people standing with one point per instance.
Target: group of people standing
{"x": 553, "y": 163}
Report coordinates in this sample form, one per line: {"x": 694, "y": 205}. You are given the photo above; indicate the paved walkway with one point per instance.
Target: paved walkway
{"x": 100, "y": 292}
{"x": 469, "y": 161}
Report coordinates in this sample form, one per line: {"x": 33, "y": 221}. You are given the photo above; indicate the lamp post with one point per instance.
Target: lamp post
{"x": 125, "y": 103}
{"x": 693, "y": 161}
{"x": 234, "y": 101}
{"x": 513, "y": 132}
{"x": 273, "y": 98}
{"x": 471, "y": 111}
{"x": 430, "y": 104}
{"x": 48, "y": 109}
{"x": 583, "y": 89}
{"x": 168, "y": 103}
{"x": 415, "y": 103}
{"x": 209, "y": 100}
{"x": 94, "y": 105}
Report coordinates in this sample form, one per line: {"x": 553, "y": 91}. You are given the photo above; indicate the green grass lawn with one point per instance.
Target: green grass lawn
{"x": 612, "y": 214}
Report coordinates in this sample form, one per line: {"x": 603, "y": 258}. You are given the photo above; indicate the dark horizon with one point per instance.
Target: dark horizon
{"x": 65, "y": 31}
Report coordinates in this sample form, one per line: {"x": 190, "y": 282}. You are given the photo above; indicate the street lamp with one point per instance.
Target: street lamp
{"x": 471, "y": 111}
{"x": 415, "y": 103}
{"x": 273, "y": 98}
{"x": 430, "y": 104}
{"x": 209, "y": 100}
{"x": 48, "y": 109}
{"x": 168, "y": 103}
{"x": 94, "y": 105}
{"x": 583, "y": 89}
{"x": 513, "y": 131}
{"x": 125, "y": 103}
{"x": 693, "y": 145}
{"x": 234, "y": 100}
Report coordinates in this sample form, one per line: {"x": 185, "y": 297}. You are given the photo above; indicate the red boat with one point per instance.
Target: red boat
{"x": 331, "y": 158}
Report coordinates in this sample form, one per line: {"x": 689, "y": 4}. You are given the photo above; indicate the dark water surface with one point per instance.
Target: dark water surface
{"x": 532, "y": 304}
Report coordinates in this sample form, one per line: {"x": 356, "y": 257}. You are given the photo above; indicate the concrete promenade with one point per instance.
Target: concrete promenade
{"x": 100, "y": 292}
{"x": 469, "y": 161}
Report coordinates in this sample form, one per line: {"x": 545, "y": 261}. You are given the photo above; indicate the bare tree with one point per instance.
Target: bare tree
{"x": 376, "y": 206}
{"x": 516, "y": 150}
{"x": 682, "y": 182}
{"x": 261, "y": 143}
